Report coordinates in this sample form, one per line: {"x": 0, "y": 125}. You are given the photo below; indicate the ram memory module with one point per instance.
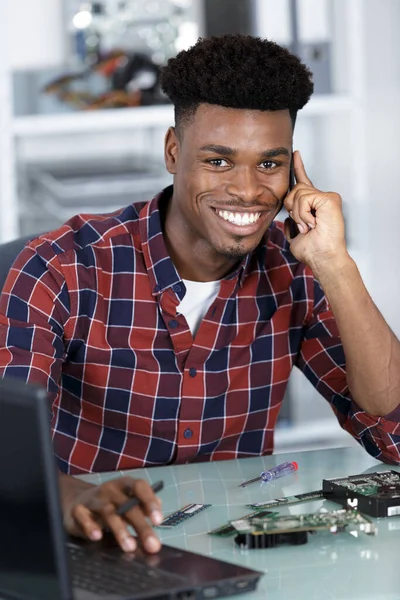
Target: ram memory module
{"x": 287, "y": 500}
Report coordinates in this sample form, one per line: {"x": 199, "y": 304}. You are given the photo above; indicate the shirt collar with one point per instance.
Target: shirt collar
{"x": 161, "y": 270}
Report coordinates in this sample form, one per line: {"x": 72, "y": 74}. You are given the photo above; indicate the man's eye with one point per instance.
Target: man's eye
{"x": 218, "y": 162}
{"x": 268, "y": 164}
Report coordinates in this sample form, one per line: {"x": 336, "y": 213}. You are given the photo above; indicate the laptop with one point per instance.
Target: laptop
{"x": 38, "y": 561}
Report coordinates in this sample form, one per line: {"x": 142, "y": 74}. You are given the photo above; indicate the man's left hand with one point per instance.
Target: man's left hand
{"x": 319, "y": 219}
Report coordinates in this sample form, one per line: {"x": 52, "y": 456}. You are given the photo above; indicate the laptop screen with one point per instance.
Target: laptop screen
{"x": 28, "y": 559}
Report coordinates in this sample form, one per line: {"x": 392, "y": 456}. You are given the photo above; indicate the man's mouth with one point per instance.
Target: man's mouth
{"x": 239, "y": 218}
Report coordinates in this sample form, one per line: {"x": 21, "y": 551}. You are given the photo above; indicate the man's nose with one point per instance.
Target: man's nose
{"x": 245, "y": 184}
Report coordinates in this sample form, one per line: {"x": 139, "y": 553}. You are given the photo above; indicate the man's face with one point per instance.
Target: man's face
{"x": 231, "y": 174}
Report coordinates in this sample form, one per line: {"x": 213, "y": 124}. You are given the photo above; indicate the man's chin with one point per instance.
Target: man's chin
{"x": 234, "y": 256}
{"x": 236, "y": 250}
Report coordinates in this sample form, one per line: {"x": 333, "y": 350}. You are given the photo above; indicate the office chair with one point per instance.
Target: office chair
{"x": 8, "y": 254}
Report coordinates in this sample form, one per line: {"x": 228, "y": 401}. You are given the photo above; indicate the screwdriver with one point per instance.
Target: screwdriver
{"x": 278, "y": 471}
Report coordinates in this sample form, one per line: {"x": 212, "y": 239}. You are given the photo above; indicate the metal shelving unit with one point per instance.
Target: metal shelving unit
{"x": 141, "y": 117}
{"x": 101, "y": 121}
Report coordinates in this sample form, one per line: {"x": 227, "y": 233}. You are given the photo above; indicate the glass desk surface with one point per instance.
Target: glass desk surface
{"x": 328, "y": 567}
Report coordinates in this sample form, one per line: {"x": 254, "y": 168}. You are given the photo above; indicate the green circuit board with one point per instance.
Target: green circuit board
{"x": 228, "y": 529}
{"x": 288, "y": 500}
{"x": 335, "y": 521}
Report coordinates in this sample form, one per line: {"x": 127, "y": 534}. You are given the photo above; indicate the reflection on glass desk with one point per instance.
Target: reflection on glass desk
{"x": 330, "y": 566}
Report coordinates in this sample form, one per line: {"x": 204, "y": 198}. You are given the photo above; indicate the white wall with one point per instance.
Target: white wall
{"x": 382, "y": 56}
{"x": 32, "y": 32}
{"x": 31, "y": 35}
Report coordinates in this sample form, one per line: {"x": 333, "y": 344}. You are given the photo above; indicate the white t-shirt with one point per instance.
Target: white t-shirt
{"x": 198, "y": 299}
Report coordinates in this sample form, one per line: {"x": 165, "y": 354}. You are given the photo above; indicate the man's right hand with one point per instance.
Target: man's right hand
{"x": 89, "y": 509}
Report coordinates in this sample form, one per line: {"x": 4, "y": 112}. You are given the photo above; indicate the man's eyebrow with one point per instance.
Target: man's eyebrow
{"x": 217, "y": 149}
{"x": 227, "y": 151}
{"x": 274, "y": 152}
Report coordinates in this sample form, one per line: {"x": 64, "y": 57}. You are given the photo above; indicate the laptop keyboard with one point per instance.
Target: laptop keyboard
{"x": 104, "y": 574}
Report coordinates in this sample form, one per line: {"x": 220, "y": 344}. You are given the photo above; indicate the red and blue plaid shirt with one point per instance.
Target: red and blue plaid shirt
{"x": 90, "y": 312}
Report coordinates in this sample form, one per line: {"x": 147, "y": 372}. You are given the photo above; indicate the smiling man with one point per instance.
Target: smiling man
{"x": 166, "y": 332}
{"x": 231, "y": 173}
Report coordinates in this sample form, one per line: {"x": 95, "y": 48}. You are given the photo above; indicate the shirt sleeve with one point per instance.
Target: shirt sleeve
{"x": 322, "y": 360}
{"x": 34, "y": 308}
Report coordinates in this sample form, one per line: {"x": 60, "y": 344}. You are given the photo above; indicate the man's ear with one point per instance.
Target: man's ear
{"x": 171, "y": 150}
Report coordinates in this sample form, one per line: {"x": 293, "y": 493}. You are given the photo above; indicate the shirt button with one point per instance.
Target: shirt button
{"x": 177, "y": 288}
{"x": 173, "y": 323}
{"x": 192, "y": 372}
{"x": 187, "y": 433}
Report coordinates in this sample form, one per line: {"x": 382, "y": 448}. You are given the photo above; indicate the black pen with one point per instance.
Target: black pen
{"x": 132, "y": 502}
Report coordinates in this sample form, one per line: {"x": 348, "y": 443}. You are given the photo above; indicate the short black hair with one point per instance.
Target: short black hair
{"x": 236, "y": 71}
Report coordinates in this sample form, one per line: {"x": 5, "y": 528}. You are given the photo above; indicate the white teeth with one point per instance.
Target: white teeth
{"x": 237, "y": 218}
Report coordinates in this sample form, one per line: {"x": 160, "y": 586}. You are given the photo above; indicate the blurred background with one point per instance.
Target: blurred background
{"x": 82, "y": 122}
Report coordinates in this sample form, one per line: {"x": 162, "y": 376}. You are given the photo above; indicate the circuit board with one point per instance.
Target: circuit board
{"x": 375, "y": 494}
{"x": 288, "y": 500}
{"x": 183, "y": 514}
{"x": 229, "y": 529}
{"x": 333, "y": 521}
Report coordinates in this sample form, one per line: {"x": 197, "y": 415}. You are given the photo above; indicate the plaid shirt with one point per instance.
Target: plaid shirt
{"x": 89, "y": 311}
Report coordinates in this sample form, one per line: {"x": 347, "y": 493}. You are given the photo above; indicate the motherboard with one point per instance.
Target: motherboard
{"x": 275, "y": 529}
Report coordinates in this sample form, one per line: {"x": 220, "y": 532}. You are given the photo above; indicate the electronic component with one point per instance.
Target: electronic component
{"x": 287, "y": 500}
{"x": 276, "y": 525}
{"x": 183, "y": 514}
{"x": 228, "y": 529}
{"x": 375, "y": 494}
{"x": 253, "y": 541}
